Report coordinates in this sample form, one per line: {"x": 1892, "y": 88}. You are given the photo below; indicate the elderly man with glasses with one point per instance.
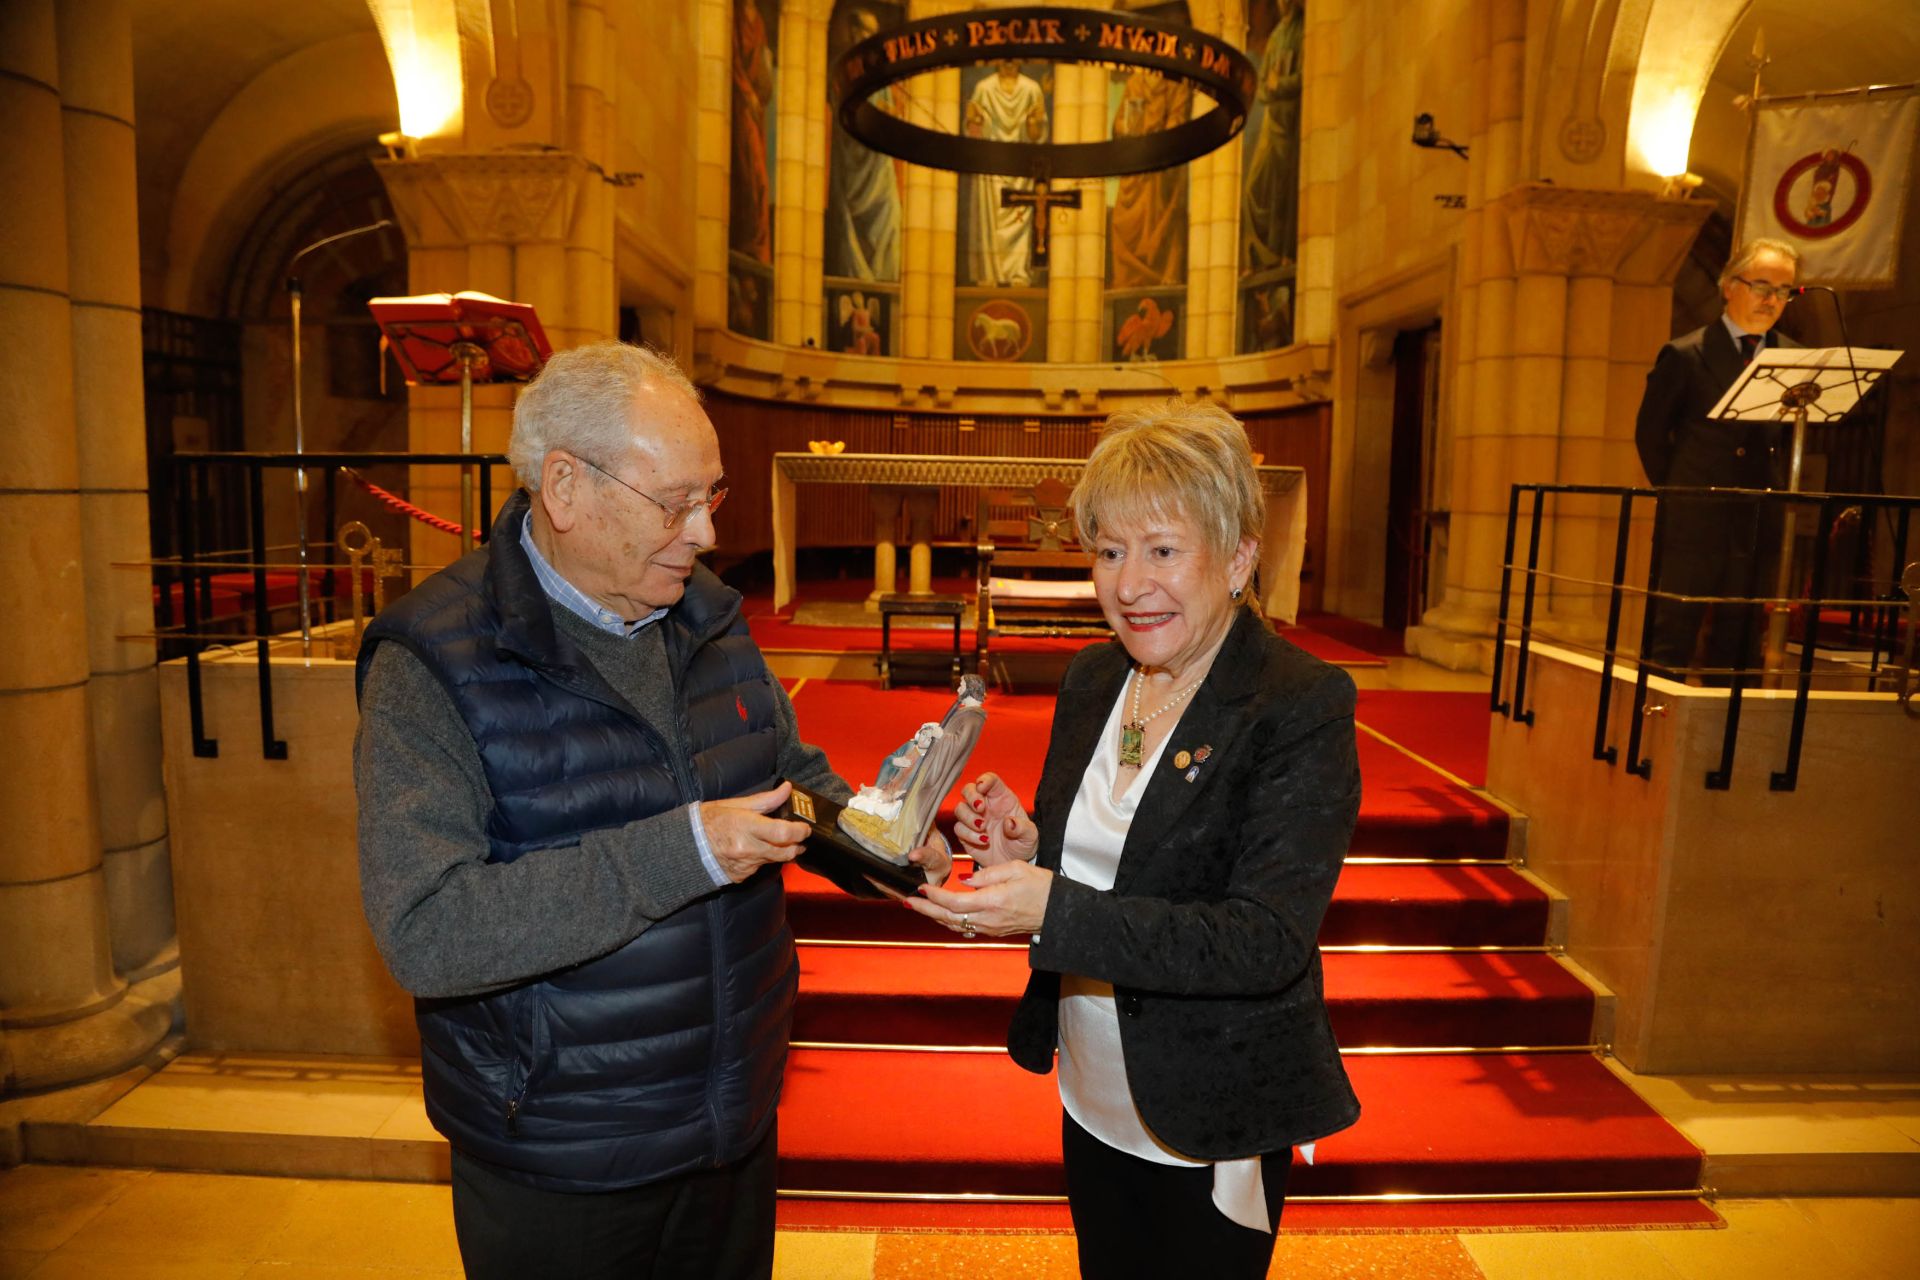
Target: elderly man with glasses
{"x": 1709, "y": 545}
{"x": 569, "y": 761}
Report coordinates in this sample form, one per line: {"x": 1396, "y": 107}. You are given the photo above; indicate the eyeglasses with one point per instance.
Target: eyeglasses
{"x": 1768, "y": 292}
{"x": 675, "y": 514}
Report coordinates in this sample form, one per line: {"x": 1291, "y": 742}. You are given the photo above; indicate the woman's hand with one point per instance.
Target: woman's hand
{"x": 1009, "y": 898}
{"x": 992, "y": 825}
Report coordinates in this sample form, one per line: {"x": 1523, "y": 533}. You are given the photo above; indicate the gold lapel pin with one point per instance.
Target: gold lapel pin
{"x": 1182, "y": 760}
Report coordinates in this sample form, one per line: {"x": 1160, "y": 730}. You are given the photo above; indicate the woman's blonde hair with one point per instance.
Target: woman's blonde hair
{"x": 1173, "y": 460}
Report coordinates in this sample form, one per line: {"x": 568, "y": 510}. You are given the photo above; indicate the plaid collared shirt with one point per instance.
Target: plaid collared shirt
{"x": 578, "y": 602}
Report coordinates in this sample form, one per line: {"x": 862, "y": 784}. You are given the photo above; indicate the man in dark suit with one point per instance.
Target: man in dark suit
{"x": 1709, "y": 545}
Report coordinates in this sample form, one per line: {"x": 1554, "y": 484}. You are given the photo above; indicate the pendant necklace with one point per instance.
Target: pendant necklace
{"x": 1133, "y": 734}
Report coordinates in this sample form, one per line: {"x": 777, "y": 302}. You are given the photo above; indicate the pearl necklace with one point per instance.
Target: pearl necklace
{"x": 1133, "y": 734}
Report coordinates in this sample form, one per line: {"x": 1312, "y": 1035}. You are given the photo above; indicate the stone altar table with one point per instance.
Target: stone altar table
{"x": 1283, "y": 541}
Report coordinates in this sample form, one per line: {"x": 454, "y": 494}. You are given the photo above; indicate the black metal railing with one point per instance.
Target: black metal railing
{"x": 186, "y": 485}
{"x": 1877, "y": 531}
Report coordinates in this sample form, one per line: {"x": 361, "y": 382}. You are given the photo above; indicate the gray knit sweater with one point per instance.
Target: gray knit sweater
{"x": 450, "y": 923}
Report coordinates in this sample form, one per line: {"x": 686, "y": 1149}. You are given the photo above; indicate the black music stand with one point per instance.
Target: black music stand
{"x": 1801, "y": 382}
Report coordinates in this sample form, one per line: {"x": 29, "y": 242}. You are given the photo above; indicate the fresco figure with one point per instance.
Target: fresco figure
{"x": 1007, "y": 106}
{"x": 1271, "y": 217}
{"x": 863, "y": 186}
{"x": 750, "y": 229}
{"x": 1148, "y": 225}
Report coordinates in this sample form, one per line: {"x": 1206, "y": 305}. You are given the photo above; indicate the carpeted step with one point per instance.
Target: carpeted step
{"x": 1412, "y": 905}
{"x": 1406, "y": 807}
{"x": 964, "y": 995}
{"x": 1467, "y": 1124}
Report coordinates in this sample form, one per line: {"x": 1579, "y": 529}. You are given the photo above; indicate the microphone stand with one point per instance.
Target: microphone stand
{"x": 300, "y": 434}
{"x": 1798, "y": 399}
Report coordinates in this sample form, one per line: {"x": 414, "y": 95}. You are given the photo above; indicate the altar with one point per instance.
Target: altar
{"x": 914, "y": 479}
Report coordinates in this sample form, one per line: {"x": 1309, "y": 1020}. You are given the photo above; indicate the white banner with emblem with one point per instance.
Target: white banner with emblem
{"x": 1829, "y": 175}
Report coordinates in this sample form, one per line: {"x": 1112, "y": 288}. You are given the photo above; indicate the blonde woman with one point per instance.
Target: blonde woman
{"x": 1198, "y": 795}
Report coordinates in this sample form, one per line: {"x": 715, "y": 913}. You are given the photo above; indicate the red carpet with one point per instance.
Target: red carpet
{"x": 1324, "y": 636}
{"x": 1439, "y": 1124}
{"x": 1405, "y": 906}
{"x": 1364, "y": 636}
{"x": 873, "y": 995}
{"x": 1449, "y": 729}
{"x": 1405, "y": 808}
{"x": 1465, "y": 1124}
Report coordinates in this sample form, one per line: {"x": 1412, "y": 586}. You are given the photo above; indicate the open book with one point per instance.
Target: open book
{"x": 424, "y": 329}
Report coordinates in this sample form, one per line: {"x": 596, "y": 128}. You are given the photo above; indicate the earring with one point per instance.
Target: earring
{"x": 1236, "y": 593}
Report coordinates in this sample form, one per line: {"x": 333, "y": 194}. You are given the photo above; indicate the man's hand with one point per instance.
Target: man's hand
{"x": 744, "y": 839}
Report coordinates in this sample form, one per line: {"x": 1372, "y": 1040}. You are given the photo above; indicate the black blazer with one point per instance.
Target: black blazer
{"x": 1678, "y": 444}
{"x": 1209, "y": 933}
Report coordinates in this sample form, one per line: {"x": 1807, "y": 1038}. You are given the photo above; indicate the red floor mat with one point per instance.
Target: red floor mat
{"x": 1300, "y": 1217}
{"x": 965, "y": 996}
{"x": 1485, "y": 1124}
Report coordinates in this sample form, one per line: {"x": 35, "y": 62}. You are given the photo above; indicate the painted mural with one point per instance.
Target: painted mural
{"x": 864, "y": 201}
{"x": 1146, "y": 286}
{"x": 1270, "y": 163}
{"x": 1003, "y": 102}
{"x": 756, "y": 35}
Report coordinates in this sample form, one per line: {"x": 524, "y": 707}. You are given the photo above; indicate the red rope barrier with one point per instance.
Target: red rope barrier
{"x": 404, "y": 507}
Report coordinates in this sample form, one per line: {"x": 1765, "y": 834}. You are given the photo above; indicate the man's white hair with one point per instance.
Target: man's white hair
{"x": 582, "y": 402}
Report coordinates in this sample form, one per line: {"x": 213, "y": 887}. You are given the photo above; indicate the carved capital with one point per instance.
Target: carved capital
{"x": 458, "y": 199}
{"x": 1632, "y": 237}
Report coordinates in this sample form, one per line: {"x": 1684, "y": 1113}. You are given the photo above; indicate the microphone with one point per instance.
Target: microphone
{"x": 1801, "y": 291}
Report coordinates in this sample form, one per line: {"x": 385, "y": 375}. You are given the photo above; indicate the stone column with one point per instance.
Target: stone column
{"x": 1456, "y": 633}
{"x": 886, "y": 519}
{"x": 1213, "y": 212}
{"x": 917, "y": 237}
{"x": 1076, "y": 267}
{"x": 800, "y": 185}
{"x": 1571, "y": 305}
{"x": 926, "y": 238}
{"x": 517, "y": 225}
{"x": 96, "y": 89}
{"x": 713, "y": 160}
{"x": 921, "y": 507}
{"x": 64, "y": 1012}
{"x": 1320, "y": 122}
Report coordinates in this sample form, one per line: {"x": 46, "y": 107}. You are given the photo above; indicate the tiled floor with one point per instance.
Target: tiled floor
{"x": 60, "y": 1223}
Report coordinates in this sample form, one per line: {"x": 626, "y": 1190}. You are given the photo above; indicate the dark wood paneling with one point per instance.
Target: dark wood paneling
{"x": 752, "y": 431}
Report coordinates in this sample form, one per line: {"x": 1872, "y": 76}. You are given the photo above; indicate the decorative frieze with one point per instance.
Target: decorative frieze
{"x": 1632, "y": 237}
{"x": 497, "y": 198}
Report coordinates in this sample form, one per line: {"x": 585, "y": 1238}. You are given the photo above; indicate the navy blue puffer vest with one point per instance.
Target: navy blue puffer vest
{"x": 666, "y": 1055}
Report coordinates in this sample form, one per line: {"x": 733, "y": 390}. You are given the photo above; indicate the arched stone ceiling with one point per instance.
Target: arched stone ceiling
{"x": 1835, "y": 44}
{"x": 189, "y": 61}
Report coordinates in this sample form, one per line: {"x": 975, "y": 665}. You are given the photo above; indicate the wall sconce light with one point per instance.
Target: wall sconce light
{"x": 1426, "y": 135}
{"x": 1680, "y": 186}
{"x": 400, "y": 146}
